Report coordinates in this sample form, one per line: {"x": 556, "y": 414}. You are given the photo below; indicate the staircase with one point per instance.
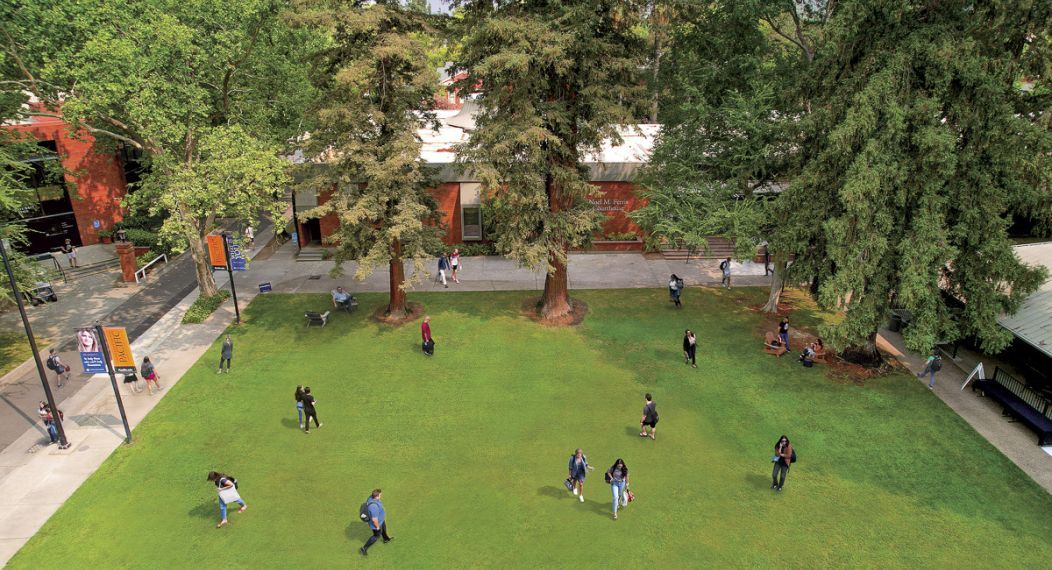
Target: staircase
{"x": 719, "y": 248}
{"x": 311, "y": 254}
{"x": 74, "y": 273}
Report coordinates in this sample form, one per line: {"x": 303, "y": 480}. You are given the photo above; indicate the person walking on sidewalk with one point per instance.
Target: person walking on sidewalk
{"x": 250, "y": 236}
{"x": 425, "y": 334}
{"x": 725, "y": 267}
{"x": 650, "y": 418}
{"x": 227, "y": 488}
{"x": 578, "y": 468}
{"x": 454, "y": 263}
{"x": 783, "y": 457}
{"x": 71, "y": 252}
{"x": 149, "y": 374}
{"x": 617, "y": 476}
{"x": 931, "y": 366}
{"x": 690, "y": 348}
{"x": 783, "y": 333}
{"x": 443, "y": 267}
{"x": 226, "y": 354}
{"x": 308, "y": 410}
{"x": 299, "y": 404}
{"x": 377, "y": 521}
{"x": 61, "y": 370}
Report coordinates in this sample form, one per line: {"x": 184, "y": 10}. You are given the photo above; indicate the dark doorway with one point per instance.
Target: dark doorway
{"x": 311, "y": 231}
{"x": 48, "y": 211}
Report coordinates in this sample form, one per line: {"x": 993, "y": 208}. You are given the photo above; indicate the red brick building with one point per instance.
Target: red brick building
{"x": 612, "y": 170}
{"x": 76, "y": 202}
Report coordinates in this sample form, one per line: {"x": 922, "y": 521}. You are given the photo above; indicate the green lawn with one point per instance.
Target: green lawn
{"x": 14, "y": 350}
{"x": 471, "y": 446}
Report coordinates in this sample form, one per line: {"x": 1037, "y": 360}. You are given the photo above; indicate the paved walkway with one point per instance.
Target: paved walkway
{"x": 36, "y": 479}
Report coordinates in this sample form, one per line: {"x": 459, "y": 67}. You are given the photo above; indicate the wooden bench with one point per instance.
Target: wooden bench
{"x": 1014, "y": 406}
{"x": 772, "y": 346}
{"x": 316, "y": 318}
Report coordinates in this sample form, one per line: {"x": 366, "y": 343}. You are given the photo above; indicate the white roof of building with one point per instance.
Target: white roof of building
{"x": 1033, "y": 322}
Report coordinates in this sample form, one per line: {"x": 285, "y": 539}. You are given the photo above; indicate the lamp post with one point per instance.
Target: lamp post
{"x": 230, "y": 272}
{"x": 63, "y": 443}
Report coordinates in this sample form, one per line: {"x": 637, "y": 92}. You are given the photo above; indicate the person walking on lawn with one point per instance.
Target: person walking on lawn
{"x": 690, "y": 348}
{"x": 650, "y": 418}
{"x": 308, "y": 410}
{"x": 377, "y": 521}
{"x": 783, "y": 333}
{"x": 931, "y": 366}
{"x": 227, "y": 488}
{"x": 149, "y": 374}
{"x": 675, "y": 289}
{"x": 225, "y": 354}
{"x": 299, "y": 404}
{"x": 617, "y": 476}
{"x": 783, "y": 457}
{"x": 425, "y": 334}
{"x": 579, "y": 468}
{"x": 725, "y": 267}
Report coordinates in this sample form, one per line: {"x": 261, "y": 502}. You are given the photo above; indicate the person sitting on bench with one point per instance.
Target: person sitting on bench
{"x": 341, "y": 299}
{"x": 807, "y": 356}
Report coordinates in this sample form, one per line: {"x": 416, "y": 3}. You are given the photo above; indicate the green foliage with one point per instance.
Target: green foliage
{"x": 880, "y": 462}
{"x": 557, "y": 79}
{"x": 145, "y": 258}
{"x": 375, "y": 90}
{"x": 917, "y": 154}
{"x": 617, "y": 236}
{"x": 203, "y": 307}
{"x": 469, "y": 249}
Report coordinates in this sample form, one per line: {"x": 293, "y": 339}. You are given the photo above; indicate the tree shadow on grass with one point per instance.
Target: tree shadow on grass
{"x": 206, "y": 510}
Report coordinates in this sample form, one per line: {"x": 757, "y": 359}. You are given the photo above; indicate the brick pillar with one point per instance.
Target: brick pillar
{"x": 126, "y": 253}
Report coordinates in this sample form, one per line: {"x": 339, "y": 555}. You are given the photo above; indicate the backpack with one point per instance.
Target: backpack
{"x": 792, "y": 459}
{"x": 936, "y": 364}
{"x": 228, "y": 478}
{"x": 51, "y": 363}
{"x": 723, "y": 265}
{"x": 679, "y": 284}
{"x": 363, "y": 511}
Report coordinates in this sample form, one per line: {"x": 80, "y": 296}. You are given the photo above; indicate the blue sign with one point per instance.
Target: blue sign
{"x": 265, "y": 287}
{"x": 93, "y": 362}
{"x": 237, "y": 257}
{"x": 96, "y": 224}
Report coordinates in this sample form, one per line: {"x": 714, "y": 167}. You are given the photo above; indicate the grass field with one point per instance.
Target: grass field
{"x": 471, "y": 448}
{"x": 14, "y": 350}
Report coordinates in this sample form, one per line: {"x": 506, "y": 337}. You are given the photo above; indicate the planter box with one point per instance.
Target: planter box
{"x": 635, "y": 245}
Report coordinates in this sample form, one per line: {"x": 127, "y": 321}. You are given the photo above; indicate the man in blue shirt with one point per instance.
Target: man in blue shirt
{"x": 340, "y": 298}
{"x": 377, "y": 521}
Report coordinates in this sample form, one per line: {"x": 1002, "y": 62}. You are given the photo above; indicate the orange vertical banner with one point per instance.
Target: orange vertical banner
{"x": 120, "y": 349}
{"x": 216, "y": 254}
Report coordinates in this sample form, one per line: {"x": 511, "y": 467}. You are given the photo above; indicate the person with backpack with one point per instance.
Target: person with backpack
{"x": 675, "y": 289}
{"x": 933, "y": 365}
{"x": 149, "y": 374}
{"x": 690, "y": 348}
{"x": 308, "y": 410}
{"x": 725, "y": 268}
{"x": 650, "y": 418}
{"x": 55, "y": 364}
{"x": 784, "y": 456}
{"x": 617, "y": 477}
{"x": 227, "y": 488}
{"x": 372, "y": 512}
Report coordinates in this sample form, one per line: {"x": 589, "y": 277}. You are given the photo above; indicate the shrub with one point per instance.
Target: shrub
{"x": 203, "y": 307}
{"x": 145, "y": 238}
{"x": 145, "y": 258}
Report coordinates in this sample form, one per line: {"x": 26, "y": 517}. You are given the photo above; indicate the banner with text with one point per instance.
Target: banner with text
{"x": 90, "y": 351}
{"x": 120, "y": 350}
{"x": 216, "y": 255}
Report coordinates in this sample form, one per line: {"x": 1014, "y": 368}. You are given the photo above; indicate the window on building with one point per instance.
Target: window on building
{"x": 470, "y": 211}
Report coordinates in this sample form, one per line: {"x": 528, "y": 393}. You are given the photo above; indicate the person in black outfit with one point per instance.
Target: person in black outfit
{"x": 308, "y": 410}
{"x": 783, "y": 457}
{"x": 650, "y": 418}
{"x": 690, "y": 348}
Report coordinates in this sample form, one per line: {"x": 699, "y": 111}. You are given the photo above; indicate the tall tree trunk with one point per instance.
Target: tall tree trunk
{"x": 556, "y": 300}
{"x": 655, "y": 77}
{"x": 396, "y": 274}
{"x": 777, "y": 281}
{"x": 865, "y": 354}
{"x": 203, "y": 267}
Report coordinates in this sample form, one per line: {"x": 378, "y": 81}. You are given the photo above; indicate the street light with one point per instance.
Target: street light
{"x": 63, "y": 443}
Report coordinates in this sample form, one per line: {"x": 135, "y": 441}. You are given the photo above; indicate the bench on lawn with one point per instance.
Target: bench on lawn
{"x": 772, "y": 346}
{"x": 1015, "y": 406}
{"x": 316, "y": 318}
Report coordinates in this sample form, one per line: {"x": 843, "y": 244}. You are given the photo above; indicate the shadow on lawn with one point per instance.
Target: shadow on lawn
{"x": 357, "y": 531}
{"x": 554, "y": 492}
{"x": 207, "y": 510}
{"x": 759, "y": 480}
{"x": 291, "y": 423}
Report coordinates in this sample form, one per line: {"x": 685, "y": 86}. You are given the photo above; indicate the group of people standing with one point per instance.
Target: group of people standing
{"x": 449, "y": 263}
{"x": 48, "y": 419}
{"x": 306, "y": 408}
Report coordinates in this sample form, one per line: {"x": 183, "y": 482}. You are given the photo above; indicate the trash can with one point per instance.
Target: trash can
{"x": 896, "y": 323}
